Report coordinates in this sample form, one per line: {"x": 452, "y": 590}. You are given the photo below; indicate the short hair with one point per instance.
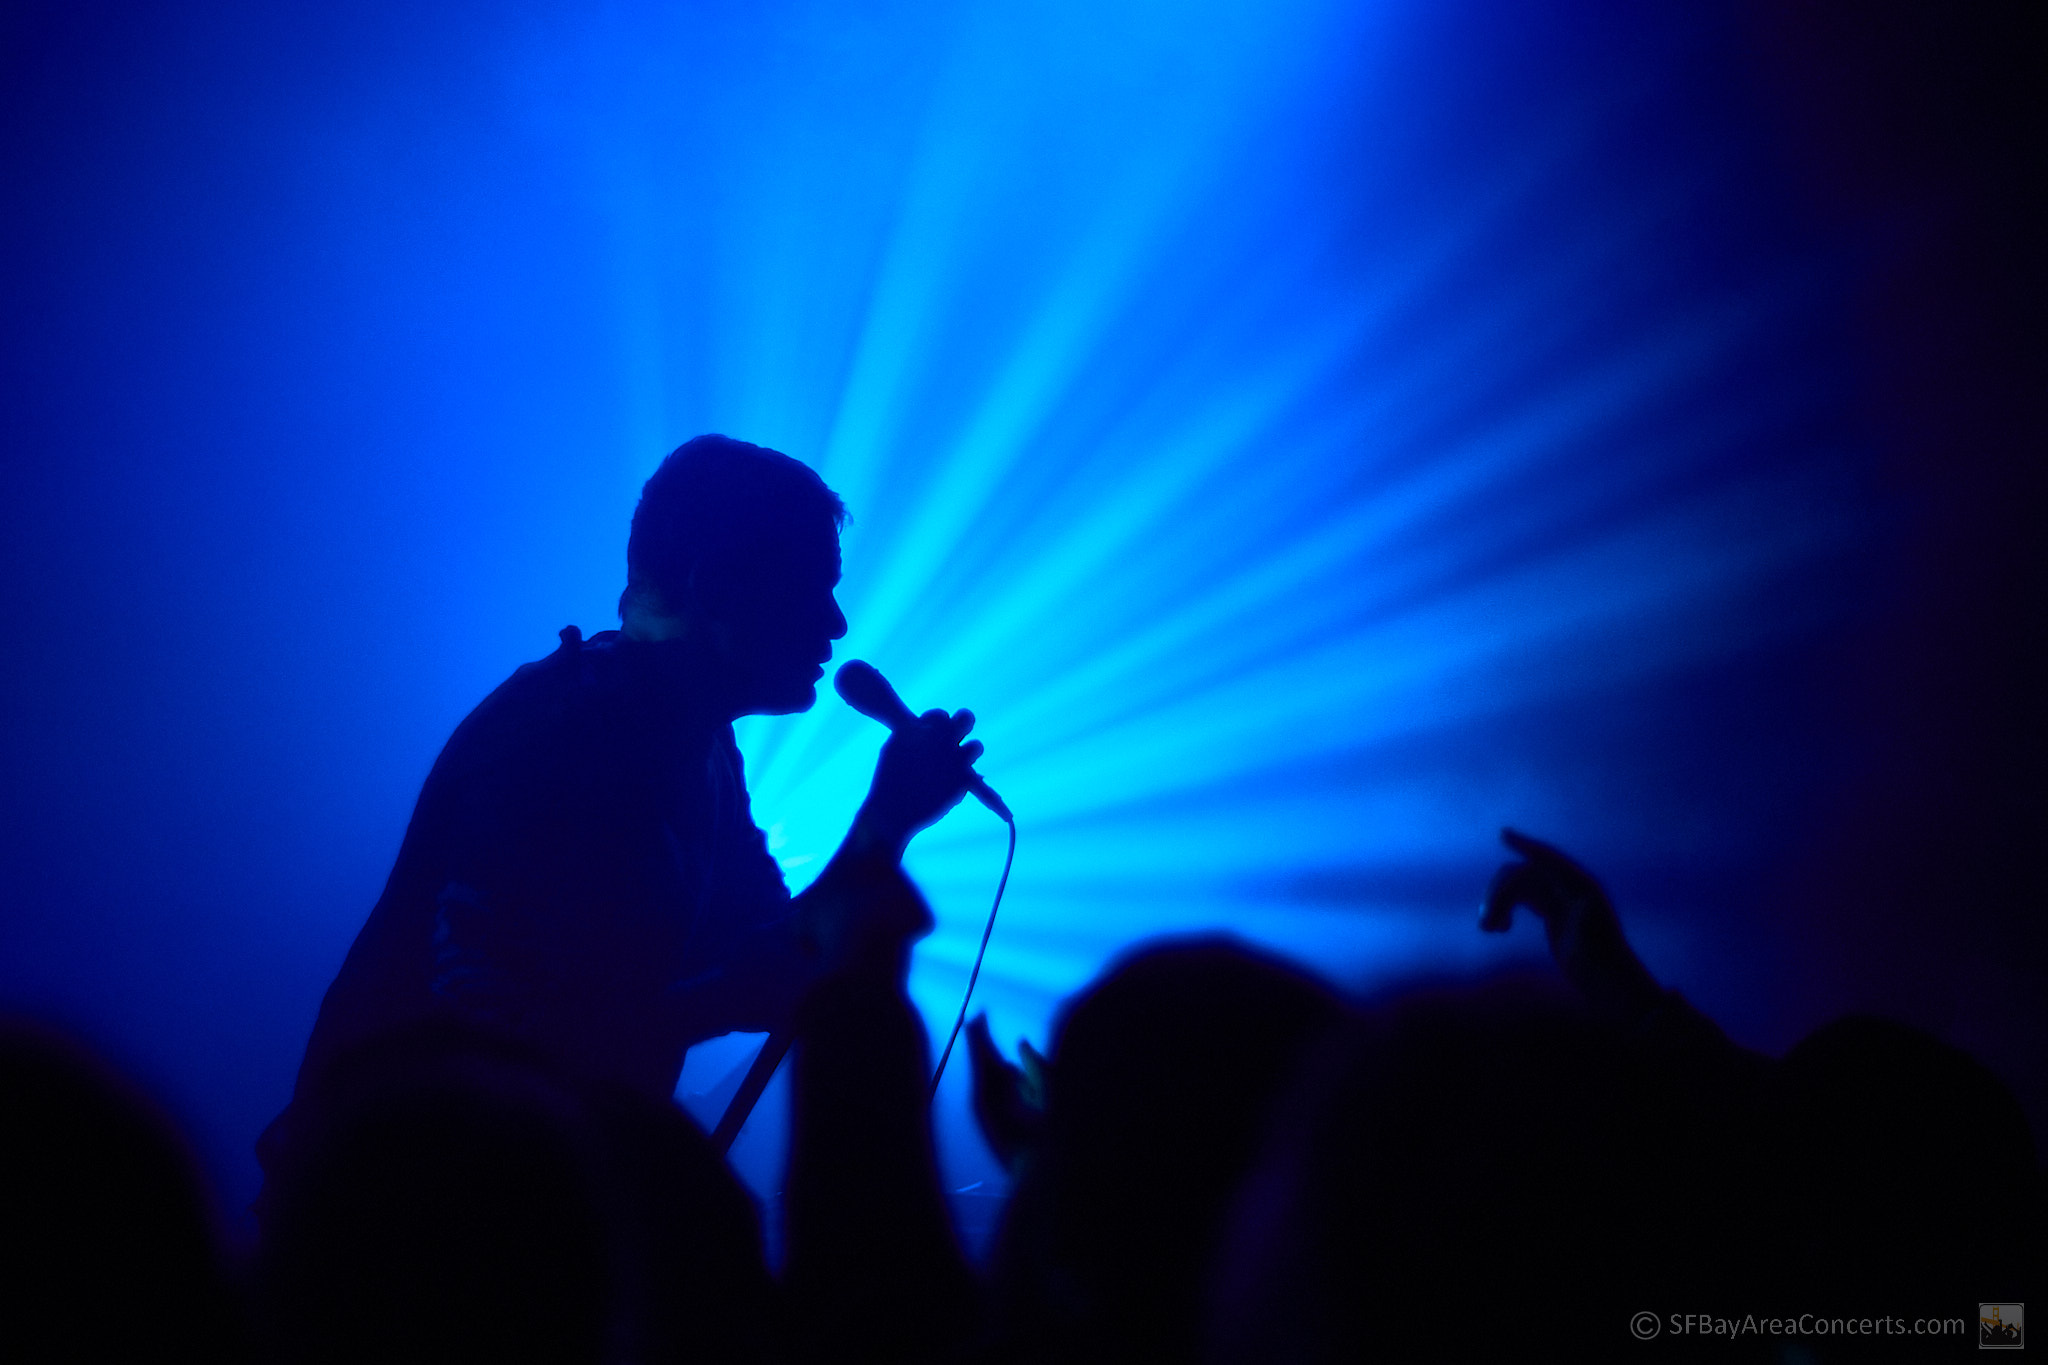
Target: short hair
{"x": 716, "y": 502}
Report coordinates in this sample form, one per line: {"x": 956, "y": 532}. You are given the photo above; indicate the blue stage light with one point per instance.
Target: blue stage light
{"x": 1240, "y": 538}
{"x": 1310, "y": 435}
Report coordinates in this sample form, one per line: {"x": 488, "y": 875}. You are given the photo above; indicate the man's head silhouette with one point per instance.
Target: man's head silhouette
{"x": 734, "y": 555}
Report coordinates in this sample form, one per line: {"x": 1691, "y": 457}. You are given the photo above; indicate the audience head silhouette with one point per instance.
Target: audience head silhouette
{"x": 1908, "y": 1170}
{"x": 1162, "y": 1081}
{"x": 1228, "y": 1164}
{"x": 464, "y": 1202}
{"x": 107, "y": 1242}
{"x": 1482, "y": 1175}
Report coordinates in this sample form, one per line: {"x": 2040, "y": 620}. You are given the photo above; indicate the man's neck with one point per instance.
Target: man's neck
{"x": 642, "y": 623}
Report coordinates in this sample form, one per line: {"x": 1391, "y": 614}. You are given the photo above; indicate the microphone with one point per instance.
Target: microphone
{"x": 863, "y": 687}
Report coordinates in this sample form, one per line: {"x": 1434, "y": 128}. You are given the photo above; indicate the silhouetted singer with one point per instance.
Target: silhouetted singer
{"x": 582, "y": 871}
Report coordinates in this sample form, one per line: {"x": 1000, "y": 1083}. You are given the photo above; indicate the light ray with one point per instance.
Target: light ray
{"x": 1210, "y": 511}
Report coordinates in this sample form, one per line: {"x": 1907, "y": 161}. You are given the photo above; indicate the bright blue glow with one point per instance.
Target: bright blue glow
{"x": 1309, "y": 435}
{"x": 1204, "y": 512}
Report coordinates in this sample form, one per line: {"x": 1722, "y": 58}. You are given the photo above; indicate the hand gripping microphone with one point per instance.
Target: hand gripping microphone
{"x": 868, "y": 692}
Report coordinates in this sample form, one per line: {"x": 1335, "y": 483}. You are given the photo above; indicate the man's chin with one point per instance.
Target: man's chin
{"x": 789, "y": 701}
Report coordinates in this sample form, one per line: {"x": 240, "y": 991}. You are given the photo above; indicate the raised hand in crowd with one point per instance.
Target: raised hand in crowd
{"x": 1585, "y": 935}
{"x": 1009, "y": 1100}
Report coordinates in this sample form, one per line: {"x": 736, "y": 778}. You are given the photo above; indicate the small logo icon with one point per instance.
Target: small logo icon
{"x": 2001, "y": 1326}
{"x": 1645, "y": 1326}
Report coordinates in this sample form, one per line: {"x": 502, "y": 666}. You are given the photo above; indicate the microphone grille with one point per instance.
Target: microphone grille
{"x": 868, "y": 692}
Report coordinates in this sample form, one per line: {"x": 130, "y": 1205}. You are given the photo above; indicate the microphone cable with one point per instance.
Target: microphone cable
{"x": 981, "y": 952}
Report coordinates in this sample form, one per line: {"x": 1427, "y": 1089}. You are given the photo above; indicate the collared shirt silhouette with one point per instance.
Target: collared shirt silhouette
{"x": 582, "y": 871}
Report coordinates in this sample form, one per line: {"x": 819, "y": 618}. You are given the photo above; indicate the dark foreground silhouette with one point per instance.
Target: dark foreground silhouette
{"x": 108, "y": 1245}
{"x": 1217, "y": 1159}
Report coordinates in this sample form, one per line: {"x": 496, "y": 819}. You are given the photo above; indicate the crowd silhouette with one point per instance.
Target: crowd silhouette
{"x": 1220, "y": 1157}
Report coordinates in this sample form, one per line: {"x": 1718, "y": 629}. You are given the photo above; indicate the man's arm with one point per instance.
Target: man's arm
{"x": 874, "y": 1271}
{"x": 922, "y": 773}
{"x": 1588, "y": 945}
{"x": 1585, "y": 934}
{"x": 862, "y": 905}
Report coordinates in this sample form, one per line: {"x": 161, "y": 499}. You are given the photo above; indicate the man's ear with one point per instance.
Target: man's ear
{"x": 709, "y": 609}
{"x": 646, "y": 614}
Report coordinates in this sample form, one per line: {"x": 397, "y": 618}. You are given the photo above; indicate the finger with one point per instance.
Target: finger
{"x": 963, "y": 721}
{"x": 1517, "y": 884}
{"x": 971, "y": 750}
{"x": 1531, "y": 848}
{"x": 936, "y": 717}
{"x": 1568, "y": 878}
{"x": 1535, "y": 850}
{"x": 1546, "y": 855}
{"x": 1569, "y": 883}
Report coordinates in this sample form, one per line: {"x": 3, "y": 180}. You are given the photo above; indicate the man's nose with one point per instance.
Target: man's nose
{"x": 838, "y": 621}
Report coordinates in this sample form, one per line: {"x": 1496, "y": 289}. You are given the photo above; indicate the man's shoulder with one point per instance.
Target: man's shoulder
{"x": 558, "y": 704}
{"x": 579, "y": 672}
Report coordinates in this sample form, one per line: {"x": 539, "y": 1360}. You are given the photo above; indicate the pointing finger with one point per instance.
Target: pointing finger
{"x": 1564, "y": 869}
{"x": 1528, "y": 847}
{"x": 1518, "y": 884}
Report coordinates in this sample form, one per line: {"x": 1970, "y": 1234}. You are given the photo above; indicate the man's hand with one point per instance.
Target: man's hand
{"x": 1585, "y": 935}
{"x": 861, "y": 910}
{"x": 922, "y": 773}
